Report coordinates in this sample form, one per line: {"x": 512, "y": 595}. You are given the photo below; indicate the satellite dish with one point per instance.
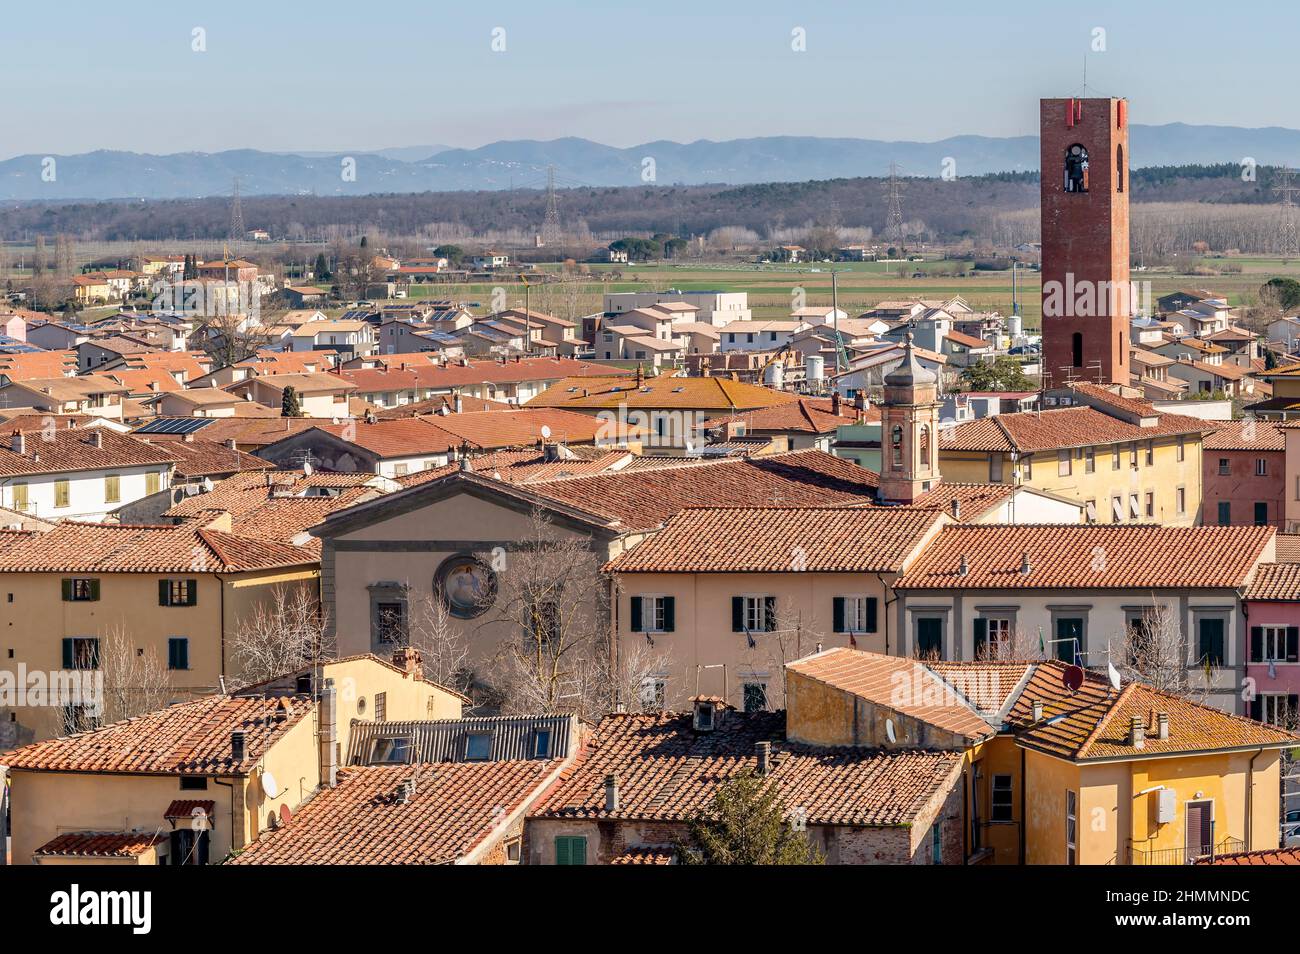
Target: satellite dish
{"x": 207, "y": 485}
{"x": 1114, "y": 676}
{"x": 889, "y": 730}
{"x": 306, "y": 468}
{"x": 1072, "y": 678}
{"x": 546, "y": 431}
{"x": 286, "y": 815}
{"x": 269, "y": 785}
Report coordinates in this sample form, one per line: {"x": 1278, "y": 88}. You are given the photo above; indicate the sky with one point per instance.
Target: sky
{"x": 348, "y": 76}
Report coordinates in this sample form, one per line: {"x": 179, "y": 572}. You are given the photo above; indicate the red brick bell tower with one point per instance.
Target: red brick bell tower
{"x": 1086, "y": 291}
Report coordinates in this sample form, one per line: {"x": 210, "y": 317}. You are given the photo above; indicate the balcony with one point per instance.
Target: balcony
{"x": 1182, "y": 856}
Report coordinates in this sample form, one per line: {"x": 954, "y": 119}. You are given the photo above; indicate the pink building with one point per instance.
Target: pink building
{"x": 1244, "y": 478}
{"x": 1272, "y": 605}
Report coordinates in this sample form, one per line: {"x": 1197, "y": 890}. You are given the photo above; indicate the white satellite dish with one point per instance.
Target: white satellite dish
{"x": 306, "y": 468}
{"x": 269, "y": 785}
{"x": 546, "y": 431}
{"x": 889, "y": 730}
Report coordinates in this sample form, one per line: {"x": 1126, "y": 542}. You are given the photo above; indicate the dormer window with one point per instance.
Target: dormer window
{"x": 705, "y": 715}
{"x": 1076, "y": 169}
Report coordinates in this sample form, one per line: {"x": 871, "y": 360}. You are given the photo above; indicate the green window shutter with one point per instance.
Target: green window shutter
{"x": 1257, "y": 709}
{"x": 94, "y": 589}
{"x": 670, "y": 613}
{"x": 561, "y": 851}
{"x": 164, "y": 593}
{"x": 769, "y": 614}
{"x": 871, "y": 614}
{"x": 838, "y": 614}
{"x": 191, "y": 592}
{"x": 1293, "y": 644}
{"x": 67, "y": 592}
{"x": 93, "y": 654}
{"x": 636, "y": 614}
{"x": 981, "y": 637}
{"x": 1257, "y": 644}
{"x": 578, "y": 852}
{"x": 67, "y": 651}
{"x": 737, "y": 614}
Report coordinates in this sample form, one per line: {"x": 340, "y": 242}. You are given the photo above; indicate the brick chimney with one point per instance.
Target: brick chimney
{"x": 408, "y": 659}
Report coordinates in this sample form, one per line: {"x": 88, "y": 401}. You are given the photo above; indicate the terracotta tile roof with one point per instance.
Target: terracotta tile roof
{"x": 1247, "y": 435}
{"x": 124, "y": 548}
{"x": 38, "y": 364}
{"x": 1276, "y": 582}
{"x": 705, "y": 394}
{"x": 642, "y": 499}
{"x": 802, "y": 416}
{"x": 101, "y": 844}
{"x": 144, "y": 380}
{"x": 455, "y": 375}
{"x": 435, "y": 405}
{"x": 1088, "y": 557}
{"x": 1272, "y": 856}
{"x": 189, "y": 807}
{"x": 1288, "y": 548}
{"x": 975, "y": 499}
{"x": 245, "y": 492}
{"x": 307, "y": 382}
{"x": 189, "y": 738}
{"x": 1060, "y": 427}
{"x": 526, "y": 466}
{"x": 456, "y": 807}
{"x": 401, "y": 438}
{"x": 1093, "y": 723}
{"x": 968, "y": 341}
{"x": 782, "y": 539}
{"x": 876, "y": 678}
{"x": 70, "y": 449}
{"x": 990, "y": 686}
{"x": 523, "y": 426}
{"x": 646, "y": 855}
{"x": 254, "y": 432}
{"x": 198, "y": 457}
{"x": 669, "y": 772}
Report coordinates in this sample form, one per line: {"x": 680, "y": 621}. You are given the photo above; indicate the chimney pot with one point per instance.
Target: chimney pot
{"x": 237, "y": 745}
{"x": 1162, "y": 725}
{"x": 963, "y": 569}
{"x": 763, "y": 755}
{"x": 1137, "y": 733}
{"x": 956, "y": 509}
{"x": 1025, "y": 566}
{"x": 611, "y": 792}
{"x": 1036, "y": 710}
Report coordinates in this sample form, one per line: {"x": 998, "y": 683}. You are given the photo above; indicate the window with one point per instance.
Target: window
{"x": 189, "y": 846}
{"x": 1134, "y": 511}
{"x": 1090, "y": 510}
{"x": 1071, "y": 827}
{"x": 936, "y": 844}
{"x": 381, "y": 707}
{"x": 1261, "y": 514}
{"x": 1182, "y": 449}
{"x": 61, "y": 493}
{"x": 653, "y": 614}
{"x": 755, "y": 696}
{"x": 753, "y": 614}
{"x": 1225, "y": 513}
{"x": 1063, "y": 462}
{"x": 1119, "y": 168}
{"x": 1261, "y": 467}
{"x": 1210, "y": 630}
{"x": 992, "y": 636}
{"x": 1151, "y": 503}
{"x": 542, "y": 744}
{"x": 178, "y": 592}
{"x": 152, "y": 482}
{"x": 929, "y": 637}
{"x": 855, "y": 614}
{"x": 1076, "y": 349}
{"x": 1133, "y": 455}
{"x": 1002, "y": 799}
{"x": 1114, "y": 458}
{"x": 1181, "y": 499}
{"x": 1225, "y": 467}
{"x": 395, "y": 750}
{"x": 1274, "y": 708}
{"x": 190, "y": 783}
{"x": 1116, "y": 509}
{"x": 1151, "y": 453}
{"x": 651, "y": 694}
{"x": 400, "y": 470}
{"x": 22, "y": 502}
{"x": 81, "y": 652}
{"x": 1069, "y": 638}
{"x": 1076, "y": 169}
{"x": 478, "y": 746}
{"x": 1089, "y": 460}
{"x": 570, "y": 850}
{"x": 544, "y": 622}
{"x": 513, "y": 848}
{"x": 178, "y": 652}
{"x": 896, "y": 445}
{"x": 112, "y": 489}
{"x": 1274, "y": 644}
{"x": 80, "y": 590}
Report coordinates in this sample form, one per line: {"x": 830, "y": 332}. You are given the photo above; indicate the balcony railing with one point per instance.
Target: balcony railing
{"x": 1184, "y": 856}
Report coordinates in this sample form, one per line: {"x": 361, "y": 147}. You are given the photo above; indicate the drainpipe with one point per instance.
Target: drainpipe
{"x": 236, "y": 829}
{"x": 1023, "y": 820}
{"x": 886, "y": 589}
{"x": 1250, "y": 802}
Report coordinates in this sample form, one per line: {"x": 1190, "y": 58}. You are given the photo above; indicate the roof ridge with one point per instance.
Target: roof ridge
{"x": 1104, "y": 721}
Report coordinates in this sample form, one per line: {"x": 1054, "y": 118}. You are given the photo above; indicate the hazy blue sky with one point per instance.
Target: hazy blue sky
{"x": 329, "y": 75}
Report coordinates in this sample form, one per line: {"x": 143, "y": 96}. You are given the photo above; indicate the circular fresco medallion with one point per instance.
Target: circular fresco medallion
{"x": 467, "y": 585}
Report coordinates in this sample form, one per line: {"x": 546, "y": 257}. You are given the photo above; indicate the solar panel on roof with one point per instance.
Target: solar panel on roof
{"x": 175, "y": 425}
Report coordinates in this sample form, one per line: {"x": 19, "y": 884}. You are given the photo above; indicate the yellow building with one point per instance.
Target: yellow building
{"x": 108, "y": 600}
{"x": 195, "y": 782}
{"x": 1119, "y": 456}
{"x": 1061, "y": 767}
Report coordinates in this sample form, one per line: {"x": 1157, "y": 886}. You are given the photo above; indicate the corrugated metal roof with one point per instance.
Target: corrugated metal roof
{"x": 447, "y": 740}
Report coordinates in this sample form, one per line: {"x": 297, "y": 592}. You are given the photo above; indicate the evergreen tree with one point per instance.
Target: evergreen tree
{"x": 289, "y": 406}
{"x": 745, "y": 824}
{"x": 322, "y": 268}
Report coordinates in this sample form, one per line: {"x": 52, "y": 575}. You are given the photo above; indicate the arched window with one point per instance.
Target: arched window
{"x": 1119, "y": 168}
{"x": 925, "y": 446}
{"x": 1076, "y": 169}
{"x": 1076, "y": 349}
{"x": 896, "y": 445}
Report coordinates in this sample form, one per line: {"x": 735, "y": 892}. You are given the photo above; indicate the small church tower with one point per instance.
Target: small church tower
{"x": 909, "y": 431}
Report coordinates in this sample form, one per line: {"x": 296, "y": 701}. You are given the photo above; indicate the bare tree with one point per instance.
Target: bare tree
{"x": 230, "y": 338}
{"x": 790, "y": 635}
{"x": 1016, "y": 646}
{"x": 442, "y": 644}
{"x": 1151, "y": 651}
{"x": 283, "y": 634}
{"x": 132, "y": 680}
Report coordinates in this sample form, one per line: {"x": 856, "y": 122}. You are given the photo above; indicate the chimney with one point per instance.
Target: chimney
{"x": 1162, "y": 725}
{"x": 459, "y": 404}
{"x": 230, "y": 443}
{"x": 763, "y": 756}
{"x": 640, "y": 376}
{"x": 466, "y": 465}
{"x": 956, "y": 508}
{"x": 963, "y": 568}
{"x": 835, "y": 403}
{"x": 1025, "y": 566}
{"x": 551, "y": 452}
{"x": 237, "y": 745}
{"x": 1036, "y": 710}
{"x": 405, "y": 789}
{"x": 327, "y": 734}
{"x": 1137, "y": 734}
{"x": 408, "y": 659}
{"x": 18, "y": 443}
{"x": 611, "y": 792}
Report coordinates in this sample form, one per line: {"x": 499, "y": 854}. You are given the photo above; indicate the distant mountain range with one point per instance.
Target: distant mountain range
{"x": 509, "y": 164}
